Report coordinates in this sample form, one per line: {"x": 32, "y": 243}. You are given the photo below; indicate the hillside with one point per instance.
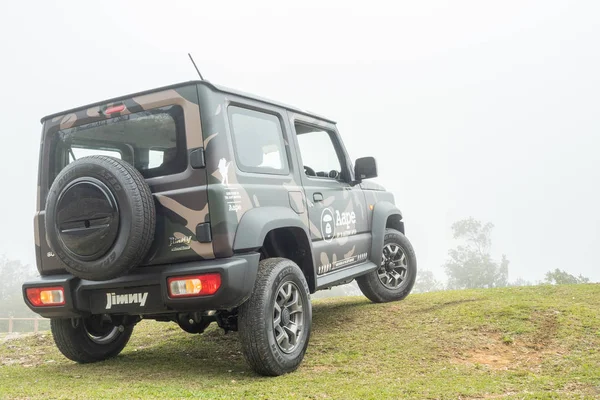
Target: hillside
{"x": 529, "y": 342}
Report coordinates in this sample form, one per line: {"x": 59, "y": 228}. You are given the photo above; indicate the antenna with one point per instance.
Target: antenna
{"x": 197, "y": 70}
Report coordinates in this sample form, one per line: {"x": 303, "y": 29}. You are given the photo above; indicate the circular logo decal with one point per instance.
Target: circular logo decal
{"x": 327, "y": 225}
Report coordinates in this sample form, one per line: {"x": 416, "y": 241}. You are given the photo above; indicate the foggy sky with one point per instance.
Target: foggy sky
{"x": 471, "y": 108}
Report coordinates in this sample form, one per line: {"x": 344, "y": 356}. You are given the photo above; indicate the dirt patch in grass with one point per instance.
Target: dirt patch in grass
{"x": 546, "y": 324}
{"x": 493, "y": 357}
{"x": 26, "y": 361}
{"x": 500, "y": 356}
{"x": 28, "y": 351}
{"x": 515, "y": 351}
{"x": 500, "y": 352}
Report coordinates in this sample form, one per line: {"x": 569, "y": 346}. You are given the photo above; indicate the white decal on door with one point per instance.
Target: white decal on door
{"x": 327, "y": 225}
{"x": 345, "y": 218}
{"x": 223, "y": 168}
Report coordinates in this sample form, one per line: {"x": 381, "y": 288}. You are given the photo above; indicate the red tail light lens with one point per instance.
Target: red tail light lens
{"x": 44, "y": 297}
{"x": 194, "y": 285}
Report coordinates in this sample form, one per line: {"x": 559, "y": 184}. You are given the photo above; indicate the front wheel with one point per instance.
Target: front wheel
{"x": 87, "y": 340}
{"x": 395, "y": 277}
{"x": 274, "y": 324}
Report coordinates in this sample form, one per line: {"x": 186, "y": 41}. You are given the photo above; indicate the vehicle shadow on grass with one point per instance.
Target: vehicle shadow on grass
{"x": 170, "y": 353}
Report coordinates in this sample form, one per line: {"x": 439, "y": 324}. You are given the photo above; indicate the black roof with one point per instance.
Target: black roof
{"x": 196, "y": 82}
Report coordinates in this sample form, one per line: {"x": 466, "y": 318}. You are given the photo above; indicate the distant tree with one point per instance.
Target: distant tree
{"x": 470, "y": 264}
{"x": 559, "y": 277}
{"x": 12, "y": 275}
{"x": 426, "y": 282}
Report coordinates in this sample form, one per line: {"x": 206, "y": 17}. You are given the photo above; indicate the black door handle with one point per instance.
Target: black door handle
{"x": 317, "y": 197}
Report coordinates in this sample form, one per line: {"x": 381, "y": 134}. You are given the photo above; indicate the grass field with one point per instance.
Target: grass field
{"x": 529, "y": 342}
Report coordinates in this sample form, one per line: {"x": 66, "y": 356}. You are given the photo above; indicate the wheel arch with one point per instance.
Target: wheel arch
{"x": 385, "y": 215}
{"x": 277, "y": 232}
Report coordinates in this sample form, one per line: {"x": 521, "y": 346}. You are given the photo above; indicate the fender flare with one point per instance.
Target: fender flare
{"x": 257, "y": 222}
{"x": 381, "y": 212}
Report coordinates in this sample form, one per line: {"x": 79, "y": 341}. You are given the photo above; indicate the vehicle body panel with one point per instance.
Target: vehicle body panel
{"x": 231, "y": 191}
{"x": 337, "y": 210}
{"x": 237, "y": 273}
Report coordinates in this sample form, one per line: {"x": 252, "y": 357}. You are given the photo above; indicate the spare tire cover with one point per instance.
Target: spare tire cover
{"x": 100, "y": 217}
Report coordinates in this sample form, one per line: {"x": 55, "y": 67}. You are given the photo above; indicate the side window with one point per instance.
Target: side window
{"x": 258, "y": 141}
{"x": 318, "y": 153}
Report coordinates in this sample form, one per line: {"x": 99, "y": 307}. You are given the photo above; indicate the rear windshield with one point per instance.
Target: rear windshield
{"x": 153, "y": 141}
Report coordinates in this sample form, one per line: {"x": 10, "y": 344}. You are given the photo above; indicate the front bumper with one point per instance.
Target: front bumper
{"x": 83, "y": 297}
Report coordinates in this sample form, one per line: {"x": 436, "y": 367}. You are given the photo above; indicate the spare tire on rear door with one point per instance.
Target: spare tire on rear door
{"x": 100, "y": 217}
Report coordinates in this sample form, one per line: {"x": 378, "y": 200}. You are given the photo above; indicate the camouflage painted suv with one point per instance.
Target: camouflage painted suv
{"x": 196, "y": 204}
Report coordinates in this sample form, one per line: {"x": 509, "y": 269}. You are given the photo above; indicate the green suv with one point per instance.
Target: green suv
{"x": 194, "y": 203}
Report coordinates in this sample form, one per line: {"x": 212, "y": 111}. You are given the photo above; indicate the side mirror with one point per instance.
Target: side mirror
{"x": 365, "y": 168}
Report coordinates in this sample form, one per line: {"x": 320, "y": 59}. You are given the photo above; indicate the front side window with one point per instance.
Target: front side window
{"x": 318, "y": 152}
{"x": 153, "y": 141}
{"x": 258, "y": 141}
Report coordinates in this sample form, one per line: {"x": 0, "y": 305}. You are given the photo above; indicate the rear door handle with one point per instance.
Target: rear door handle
{"x": 318, "y": 197}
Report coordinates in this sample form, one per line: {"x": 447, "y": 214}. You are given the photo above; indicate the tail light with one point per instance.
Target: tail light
{"x": 44, "y": 297}
{"x": 195, "y": 285}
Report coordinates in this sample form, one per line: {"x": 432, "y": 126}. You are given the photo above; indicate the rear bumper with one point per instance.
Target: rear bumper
{"x": 83, "y": 297}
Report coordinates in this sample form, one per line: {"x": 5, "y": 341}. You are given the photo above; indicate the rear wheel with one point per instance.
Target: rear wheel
{"x": 92, "y": 339}
{"x": 397, "y": 272}
{"x": 274, "y": 324}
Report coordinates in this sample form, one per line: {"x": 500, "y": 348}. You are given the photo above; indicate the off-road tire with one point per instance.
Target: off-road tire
{"x": 74, "y": 342}
{"x": 255, "y": 319}
{"x": 372, "y": 287}
{"x": 136, "y": 213}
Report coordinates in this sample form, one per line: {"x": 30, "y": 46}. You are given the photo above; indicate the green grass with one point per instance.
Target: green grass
{"x": 530, "y": 342}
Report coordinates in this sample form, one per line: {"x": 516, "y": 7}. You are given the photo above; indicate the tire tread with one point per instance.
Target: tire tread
{"x": 253, "y": 324}
{"x": 371, "y": 286}
{"x": 143, "y": 223}
{"x": 74, "y": 344}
